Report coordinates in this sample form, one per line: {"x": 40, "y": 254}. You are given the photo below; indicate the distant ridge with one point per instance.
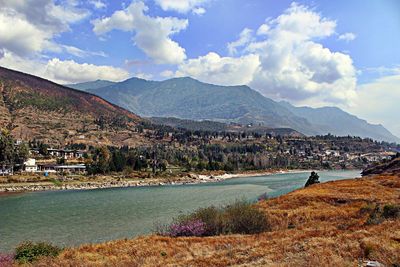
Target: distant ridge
{"x": 90, "y": 85}
{"x": 334, "y": 120}
{"x": 187, "y": 98}
{"x": 213, "y": 126}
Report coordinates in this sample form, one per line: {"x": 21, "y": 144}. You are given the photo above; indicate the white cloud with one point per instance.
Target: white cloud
{"x": 152, "y": 34}
{"x": 379, "y": 102}
{"x": 21, "y": 37}
{"x": 297, "y": 68}
{"x": 199, "y": 11}
{"x": 167, "y": 74}
{"x": 384, "y": 71}
{"x": 29, "y": 27}
{"x": 142, "y": 75}
{"x": 244, "y": 38}
{"x": 69, "y": 71}
{"x": 215, "y": 69}
{"x": 81, "y": 53}
{"x": 98, "y": 4}
{"x": 183, "y": 6}
{"x": 283, "y": 60}
{"x": 348, "y": 36}
{"x": 63, "y": 72}
{"x": 263, "y": 29}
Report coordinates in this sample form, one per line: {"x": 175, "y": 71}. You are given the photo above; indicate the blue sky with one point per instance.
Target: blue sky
{"x": 338, "y": 53}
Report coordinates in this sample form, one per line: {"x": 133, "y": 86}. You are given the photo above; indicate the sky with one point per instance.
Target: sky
{"x": 316, "y": 53}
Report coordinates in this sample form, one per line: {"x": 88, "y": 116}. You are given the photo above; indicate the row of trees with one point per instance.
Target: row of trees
{"x": 158, "y": 158}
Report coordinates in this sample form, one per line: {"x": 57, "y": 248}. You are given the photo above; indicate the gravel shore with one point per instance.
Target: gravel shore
{"x": 76, "y": 185}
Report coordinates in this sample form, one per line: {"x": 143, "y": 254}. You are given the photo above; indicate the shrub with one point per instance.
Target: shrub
{"x": 375, "y": 216}
{"x": 391, "y": 211}
{"x": 263, "y": 197}
{"x": 187, "y": 228}
{"x": 29, "y": 251}
{"x": 313, "y": 179}
{"x": 212, "y": 218}
{"x": 238, "y": 218}
{"x": 243, "y": 218}
{"x": 6, "y": 260}
{"x": 379, "y": 214}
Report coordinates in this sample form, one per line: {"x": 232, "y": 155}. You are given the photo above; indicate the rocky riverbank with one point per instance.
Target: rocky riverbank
{"x": 191, "y": 178}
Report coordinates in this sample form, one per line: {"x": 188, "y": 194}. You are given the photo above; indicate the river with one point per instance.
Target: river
{"x": 70, "y": 218}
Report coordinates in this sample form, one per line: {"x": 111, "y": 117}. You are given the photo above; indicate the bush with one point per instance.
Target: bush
{"x": 379, "y": 214}
{"x": 187, "y": 228}
{"x": 313, "y": 179}
{"x": 263, "y": 197}
{"x": 244, "y": 218}
{"x": 391, "y": 211}
{"x": 212, "y": 218}
{"x": 29, "y": 251}
{"x": 6, "y": 260}
{"x": 238, "y": 218}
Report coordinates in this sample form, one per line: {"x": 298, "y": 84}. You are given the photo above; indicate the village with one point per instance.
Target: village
{"x": 271, "y": 152}
{"x": 53, "y": 163}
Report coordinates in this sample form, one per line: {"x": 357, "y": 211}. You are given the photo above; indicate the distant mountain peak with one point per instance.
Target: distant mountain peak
{"x": 188, "y": 98}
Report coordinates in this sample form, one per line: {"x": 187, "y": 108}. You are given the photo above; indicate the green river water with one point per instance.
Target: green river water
{"x": 70, "y": 218}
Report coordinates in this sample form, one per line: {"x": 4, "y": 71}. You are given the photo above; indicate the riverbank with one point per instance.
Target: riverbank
{"x": 112, "y": 182}
{"x": 322, "y": 225}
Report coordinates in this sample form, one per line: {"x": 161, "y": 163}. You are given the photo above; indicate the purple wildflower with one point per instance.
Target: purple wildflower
{"x": 189, "y": 228}
{"x": 6, "y": 260}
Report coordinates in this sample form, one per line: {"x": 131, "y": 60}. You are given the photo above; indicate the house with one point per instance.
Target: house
{"x": 65, "y": 153}
{"x": 18, "y": 142}
{"x": 30, "y": 165}
{"x": 332, "y": 153}
{"x": 49, "y": 168}
{"x": 78, "y": 168}
{"x": 6, "y": 170}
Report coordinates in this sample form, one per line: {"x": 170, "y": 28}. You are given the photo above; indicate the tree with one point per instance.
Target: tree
{"x": 7, "y": 150}
{"x": 43, "y": 149}
{"x": 101, "y": 161}
{"x": 313, "y": 179}
{"x": 60, "y": 161}
{"x": 21, "y": 153}
{"x": 118, "y": 160}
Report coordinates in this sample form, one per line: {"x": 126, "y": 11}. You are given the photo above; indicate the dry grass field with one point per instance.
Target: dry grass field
{"x": 322, "y": 225}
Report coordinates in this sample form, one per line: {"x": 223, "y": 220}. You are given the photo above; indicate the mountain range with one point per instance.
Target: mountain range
{"x": 187, "y": 98}
{"x": 32, "y": 108}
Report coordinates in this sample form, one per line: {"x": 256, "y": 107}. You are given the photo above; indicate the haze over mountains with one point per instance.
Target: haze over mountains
{"x": 187, "y": 98}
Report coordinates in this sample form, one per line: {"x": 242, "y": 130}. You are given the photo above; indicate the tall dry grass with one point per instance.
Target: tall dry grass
{"x": 322, "y": 225}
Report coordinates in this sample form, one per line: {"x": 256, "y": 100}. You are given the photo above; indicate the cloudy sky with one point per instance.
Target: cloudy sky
{"x": 337, "y": 53}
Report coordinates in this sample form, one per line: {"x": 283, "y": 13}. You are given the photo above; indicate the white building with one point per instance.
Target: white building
{"x": 6, "y": 170}
{"x": 30, "y": 165}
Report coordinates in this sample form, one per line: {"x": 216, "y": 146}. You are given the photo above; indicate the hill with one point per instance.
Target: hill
{"x": 34, "y": 108}
{"x": 389, "y": 166}
{"x": 336, "y": 121}
{"x": 187, "y": 98}
{"x": 340, "y": 223}
{"x": 90, "y": 85}
{"x": 213, "y": 126}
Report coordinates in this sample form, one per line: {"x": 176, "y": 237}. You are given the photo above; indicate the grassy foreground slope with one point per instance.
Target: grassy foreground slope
{"x": 322, "y": 225}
